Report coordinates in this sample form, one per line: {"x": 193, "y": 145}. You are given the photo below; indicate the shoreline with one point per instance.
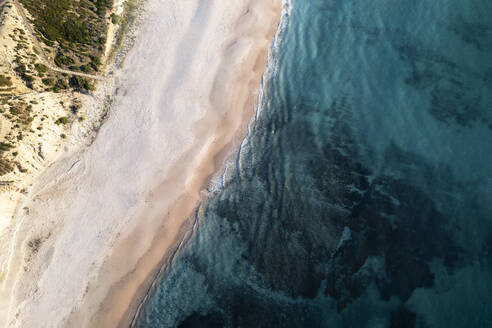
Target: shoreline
{"x": 180, "y": 212}
{"x": 112, "y": 274}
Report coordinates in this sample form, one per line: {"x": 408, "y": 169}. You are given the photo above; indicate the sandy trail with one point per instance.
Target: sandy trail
{"x": 99, "y": 223}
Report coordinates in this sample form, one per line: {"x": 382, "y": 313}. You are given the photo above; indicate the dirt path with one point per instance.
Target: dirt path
{"x": 43, "y": 54}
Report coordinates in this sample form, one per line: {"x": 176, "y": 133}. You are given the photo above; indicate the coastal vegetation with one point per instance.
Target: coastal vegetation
{"x": 40, "y": 100}
{"x": 5, "y": 81}
{"x": 74, "y": 36}
{"x": 5, "y": 165}
{"x": 62, "y": 120}
{"x": 75, "y": 29}
{"x": 124, "y": 20}
{"x": 25, "y": 76}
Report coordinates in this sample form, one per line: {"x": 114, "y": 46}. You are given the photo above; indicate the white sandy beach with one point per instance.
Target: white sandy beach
{"x": 103, "y": 219}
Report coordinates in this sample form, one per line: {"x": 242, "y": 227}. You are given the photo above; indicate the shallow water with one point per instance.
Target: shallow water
{"x": 363, "y": 196}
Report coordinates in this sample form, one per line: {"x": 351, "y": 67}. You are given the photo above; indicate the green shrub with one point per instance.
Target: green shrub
{"x": 60, "y": 85}
{"x": 5, "y": 81}
{"x": 40, "y": 68}
{"x": 79, "y": 83}
{"x": 21, "y": 69}
{"x": 62, "y": 60}
{"x": 62, "y": 120}
{"x": 87, "y": 68}
{"x": 48, "y": 81}
{"x": 28, "y": 78}
{"x": 5, "y": 146}
{"x": 15, "y": 110}
{"x": 115, "y": 19}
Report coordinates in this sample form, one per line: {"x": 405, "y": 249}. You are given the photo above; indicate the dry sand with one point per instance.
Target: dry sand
{"x": 102, "y": 221}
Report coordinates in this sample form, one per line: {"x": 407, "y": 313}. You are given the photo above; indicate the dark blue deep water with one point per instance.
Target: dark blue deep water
{"x": 363, "y": 197}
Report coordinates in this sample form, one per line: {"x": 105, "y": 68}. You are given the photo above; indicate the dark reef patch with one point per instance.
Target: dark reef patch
{"x": 367, "y": 229}
{"x": 403, "y": 318}
{"x": 197, "y": 320}
{"x": 456, "y": 93}
{"x": 478, "y": 35}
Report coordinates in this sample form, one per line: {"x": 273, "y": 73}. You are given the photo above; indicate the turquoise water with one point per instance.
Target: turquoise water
{"x": 363, "y": 197}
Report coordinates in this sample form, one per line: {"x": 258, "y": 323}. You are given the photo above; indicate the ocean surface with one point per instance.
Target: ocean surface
{"x": 363, "y": 194}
